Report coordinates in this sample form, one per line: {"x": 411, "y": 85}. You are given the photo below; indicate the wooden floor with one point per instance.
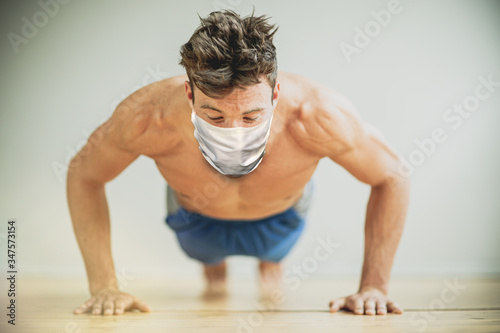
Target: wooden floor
{"x": 431, "y": 305}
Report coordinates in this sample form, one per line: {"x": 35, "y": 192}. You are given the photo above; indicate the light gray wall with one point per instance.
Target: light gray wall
{"x": 66, "y": 79}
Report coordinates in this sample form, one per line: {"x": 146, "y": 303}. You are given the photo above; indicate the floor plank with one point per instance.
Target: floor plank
{"x": 431, "y": 305}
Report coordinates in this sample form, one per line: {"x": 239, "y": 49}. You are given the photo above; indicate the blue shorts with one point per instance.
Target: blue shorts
{"x": 210, "y": 240}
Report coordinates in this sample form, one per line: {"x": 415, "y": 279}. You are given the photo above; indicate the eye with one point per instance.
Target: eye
{"x": 216, "y": 118}
{"x": 250, "y": 119}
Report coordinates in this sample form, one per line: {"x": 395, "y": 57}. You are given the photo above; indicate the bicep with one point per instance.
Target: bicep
{"x": 370, "y": 159}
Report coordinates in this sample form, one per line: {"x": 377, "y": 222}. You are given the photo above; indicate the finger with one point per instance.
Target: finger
{"x": 381, "y": 308}
{"x": 120, "y": 305}
{"x": 394, "y": 307}
{"x": 97, "y": 307}
{"x": 336, "y": 304}
{"x": 109, "y": 307}
{"x": 140, "y": 305}
{"x": 370, "y": 307}
{"x": 356, "y": 305}
{"x": 85, "y": 307}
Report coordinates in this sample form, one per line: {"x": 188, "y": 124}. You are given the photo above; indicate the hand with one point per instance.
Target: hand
{"x": 368, "y": 300}
{"x": 110, "y": 301}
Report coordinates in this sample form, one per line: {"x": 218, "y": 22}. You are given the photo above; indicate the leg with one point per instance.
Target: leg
{"x": 270, "y": 276}
{"x": 288, "y": 227}
{"x": 215, "y": 277}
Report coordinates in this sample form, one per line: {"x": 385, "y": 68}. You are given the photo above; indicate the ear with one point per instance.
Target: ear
{"x": 189, "y": 93}
{"x": 276, "y": 93}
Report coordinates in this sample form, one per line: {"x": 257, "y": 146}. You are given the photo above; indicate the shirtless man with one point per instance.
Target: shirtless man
{"x": 237, "y": 142}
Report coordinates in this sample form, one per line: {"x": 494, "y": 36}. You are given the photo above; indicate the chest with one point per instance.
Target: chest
{"x": 284, "y": 170}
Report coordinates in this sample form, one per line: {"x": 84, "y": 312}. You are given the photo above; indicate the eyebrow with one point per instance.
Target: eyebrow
{"x": 207, "y": 106}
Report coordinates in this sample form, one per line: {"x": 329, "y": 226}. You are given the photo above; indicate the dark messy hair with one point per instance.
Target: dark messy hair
{"x": 227, "y": 51}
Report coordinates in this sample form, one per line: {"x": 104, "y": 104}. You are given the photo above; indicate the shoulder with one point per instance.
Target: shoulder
{"x": 148, "y": 110}
{"x": 323, "y": 121}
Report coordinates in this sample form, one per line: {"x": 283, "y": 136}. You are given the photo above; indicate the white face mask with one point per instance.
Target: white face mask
{"x": 233, "y": 151}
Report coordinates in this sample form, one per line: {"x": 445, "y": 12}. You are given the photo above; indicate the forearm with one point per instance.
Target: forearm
{"x": 89, "y": 214}
{"x": 385, "y": 217}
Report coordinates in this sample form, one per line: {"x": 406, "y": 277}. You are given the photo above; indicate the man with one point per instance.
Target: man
{"x": 237, "y": 142}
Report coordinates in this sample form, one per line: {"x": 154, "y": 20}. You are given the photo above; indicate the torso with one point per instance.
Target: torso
{"x": 274, "y": 186}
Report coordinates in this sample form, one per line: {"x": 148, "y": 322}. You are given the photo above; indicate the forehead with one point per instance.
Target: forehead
{"x": 257, "y": 93}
